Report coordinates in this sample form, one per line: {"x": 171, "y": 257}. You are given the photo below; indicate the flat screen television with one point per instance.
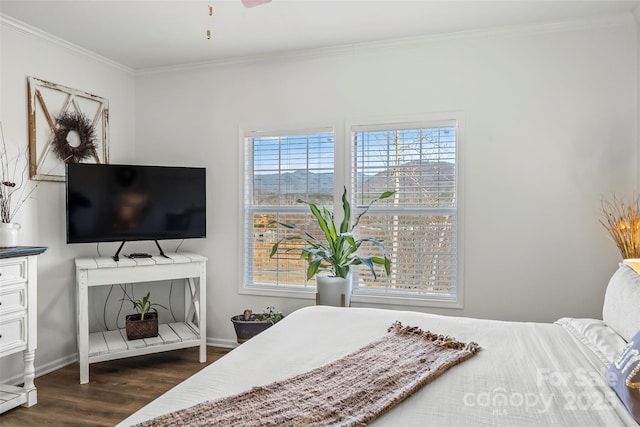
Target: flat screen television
{"x": 107, "y": 203}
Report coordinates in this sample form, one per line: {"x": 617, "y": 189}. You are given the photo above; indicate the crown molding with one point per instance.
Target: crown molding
{"x": 36, "y": 32}
{"x": 351, "y": 49}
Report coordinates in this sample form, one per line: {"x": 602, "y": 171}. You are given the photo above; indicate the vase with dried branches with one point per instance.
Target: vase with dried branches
{"x": 622, "y": 221}
{"x": 12, "y": 184}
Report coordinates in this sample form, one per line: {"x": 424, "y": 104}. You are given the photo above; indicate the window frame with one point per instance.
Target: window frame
{"x": 408, "y": 122}
{"x": 342, "y": 177}
{"x": 308, "y": 292}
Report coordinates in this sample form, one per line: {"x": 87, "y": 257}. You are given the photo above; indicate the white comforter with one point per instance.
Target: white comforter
{"x": 527, "y": 374}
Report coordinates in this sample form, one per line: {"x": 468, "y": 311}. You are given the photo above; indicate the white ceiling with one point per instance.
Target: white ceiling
{"x": 157, "y": 33}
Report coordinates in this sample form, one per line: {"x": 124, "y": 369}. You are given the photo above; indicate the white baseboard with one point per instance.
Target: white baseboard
{"x": 57, "y": 364}
{"x": 73, "y": 358}
{"x": 46, "y": 368}
{"x": 219, "y": 342}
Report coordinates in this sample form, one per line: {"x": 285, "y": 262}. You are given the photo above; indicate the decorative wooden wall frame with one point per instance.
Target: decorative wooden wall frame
{"x": 48, "y": 103}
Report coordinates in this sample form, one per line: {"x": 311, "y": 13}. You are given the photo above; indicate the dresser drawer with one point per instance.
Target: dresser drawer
{"x": 13, "y": 333}
{"x": 12, "y": 271}
{"x": 13, "y": 298}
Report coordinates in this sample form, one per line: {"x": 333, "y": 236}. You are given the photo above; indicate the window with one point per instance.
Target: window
{"x": 418, "y": 225}
{"x": 280, "y": 169}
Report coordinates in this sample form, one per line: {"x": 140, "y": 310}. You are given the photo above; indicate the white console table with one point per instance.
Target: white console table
{"x": 18, "y": 319}
{"x": 110, "y": 345}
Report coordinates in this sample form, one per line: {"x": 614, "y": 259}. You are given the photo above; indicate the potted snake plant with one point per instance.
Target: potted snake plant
{"x": 336, "y": 251}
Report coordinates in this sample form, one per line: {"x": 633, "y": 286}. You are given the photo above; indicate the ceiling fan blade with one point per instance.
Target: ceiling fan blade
{"x": 252, "y": 3}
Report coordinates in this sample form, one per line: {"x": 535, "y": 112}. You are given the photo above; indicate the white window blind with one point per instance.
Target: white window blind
{"x": 418, "y": 225}
{"x": 280, "y": 169}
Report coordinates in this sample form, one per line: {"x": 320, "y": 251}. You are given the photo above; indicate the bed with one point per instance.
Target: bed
{"x": 526, "y": 374}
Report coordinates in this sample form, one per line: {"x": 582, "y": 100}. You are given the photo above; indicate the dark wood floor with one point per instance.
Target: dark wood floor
{"x": 116, "y": 389}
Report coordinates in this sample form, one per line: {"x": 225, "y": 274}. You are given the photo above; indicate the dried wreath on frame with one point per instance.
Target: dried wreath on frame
{"x": 79, "y": 123}
{"x": 65, "y": 125}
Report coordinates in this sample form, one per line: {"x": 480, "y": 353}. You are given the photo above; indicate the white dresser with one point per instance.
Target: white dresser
{"x": 18, "y": 319}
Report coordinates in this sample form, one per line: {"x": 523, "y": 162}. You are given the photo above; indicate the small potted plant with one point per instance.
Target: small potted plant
{"x": 248, "y": 325}
{"x": 144, "y": 323}
{"x": 337, "y": 252}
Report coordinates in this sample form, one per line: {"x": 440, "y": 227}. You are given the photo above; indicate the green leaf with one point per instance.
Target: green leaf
{"x": 314, "y": 266}
{"x": 284, "y": 224}
{"x": 328, "y": 218}
{"x": 386, "y": 194}
{"x": 382, "y": 196}
{"x": 376, "y": 242}
{"x": 274, "y": 249}
{"x": 346, "y": 208}
{"x": 323, "y": 226}
{"x": 369, "y": 263}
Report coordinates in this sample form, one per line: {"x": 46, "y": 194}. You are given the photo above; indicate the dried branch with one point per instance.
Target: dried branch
{"x": 622, "y": 221}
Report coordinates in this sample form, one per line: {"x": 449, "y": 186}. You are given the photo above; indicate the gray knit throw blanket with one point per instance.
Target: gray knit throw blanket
{"x": 351, "y": 391}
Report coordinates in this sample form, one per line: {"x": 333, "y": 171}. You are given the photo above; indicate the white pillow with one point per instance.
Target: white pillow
{"x": 599, "y": 338}
{"x": 621, "y": 309}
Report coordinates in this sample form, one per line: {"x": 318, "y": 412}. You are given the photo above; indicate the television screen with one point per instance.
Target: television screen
{"x": 107, "y": 203}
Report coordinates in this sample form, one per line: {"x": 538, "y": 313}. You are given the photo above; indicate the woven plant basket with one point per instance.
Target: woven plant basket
{"x": 137, "y": 329}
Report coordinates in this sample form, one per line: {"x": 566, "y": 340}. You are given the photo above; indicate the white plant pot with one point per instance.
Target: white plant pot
{"x": 331, "y": 289}
{"x": 9, "y": 234}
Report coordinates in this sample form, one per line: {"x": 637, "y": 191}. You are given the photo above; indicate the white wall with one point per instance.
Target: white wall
{"x": 22, "y": 54}
{"x": 551, "y": 125}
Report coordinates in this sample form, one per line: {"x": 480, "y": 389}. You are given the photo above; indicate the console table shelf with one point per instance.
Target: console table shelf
{"x": 109, "y": 345}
